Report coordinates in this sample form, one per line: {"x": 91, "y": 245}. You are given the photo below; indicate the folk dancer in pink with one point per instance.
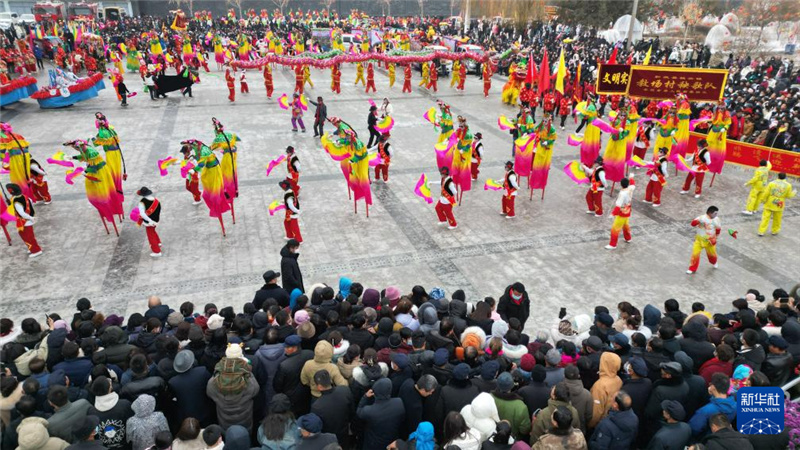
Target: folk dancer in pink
{"x": 658, "y": 178}
{"x": 708, "y": 229}
{"x": 462, "y": 157}
{"x": 701, "y": 159}
{"x": 622, "y": 213}
{"x": 597, "y": 185}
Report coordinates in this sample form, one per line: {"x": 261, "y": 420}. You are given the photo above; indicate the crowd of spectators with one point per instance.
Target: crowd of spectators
{"x": 362, "y": 368}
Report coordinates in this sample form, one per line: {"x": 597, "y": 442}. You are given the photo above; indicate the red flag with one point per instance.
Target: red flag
{"x": 544, "y": 75}
{"x": 630, "y": 59}
{"x": 576, "y": 95}
{"x": 613, "y": 58}
{"x": 531, "y": 71}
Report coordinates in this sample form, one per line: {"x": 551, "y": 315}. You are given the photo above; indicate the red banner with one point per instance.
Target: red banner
{"x": 750, "y": 155}
{"x": 612, "y": 79}
{"x": 654, "y": 82}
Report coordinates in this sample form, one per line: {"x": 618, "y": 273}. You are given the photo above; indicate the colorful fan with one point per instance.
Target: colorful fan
{"x": 505, "y": 124}
{"x": 422, "y": 190}
{"x": 492, "y": 185}
{"x": 430, "y": 115}
{"x": 275, "y": 163}
{"x": 283, "y": 101}
{"x": 60, "y": 159}
{"x": 385, "y": 125}
{"x": 575, "y": 173}
{"x": 275, "y": 207}
{"x": 639, "y": 162}
{"x": 164, "y": 163}
{"x": 186, "y": 166}
{"x": 72, "y": 174}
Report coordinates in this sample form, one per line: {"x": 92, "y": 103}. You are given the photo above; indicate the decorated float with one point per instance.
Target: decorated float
{"x": 66, "y": 89}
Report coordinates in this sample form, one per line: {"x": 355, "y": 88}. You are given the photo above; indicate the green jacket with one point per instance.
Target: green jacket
{"x": 510, "y": 407}
{"x": 541, "y": 424}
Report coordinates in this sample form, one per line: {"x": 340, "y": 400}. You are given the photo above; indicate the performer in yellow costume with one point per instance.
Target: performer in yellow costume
{"x": 757, "y": 185}
{"x": 775, "y": 196}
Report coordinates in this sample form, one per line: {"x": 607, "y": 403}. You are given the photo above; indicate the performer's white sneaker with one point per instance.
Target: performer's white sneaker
{"x": 589, "y": 212}
{"x": 716, "y": 266}
{"x": 34, "y": 255}
{"x": 760, "y": 234}
{"x": 656, "y": 205}
{"x": 610, "y": 247}
{"x": 155, "y": 255}
{"x": 683, "y": 192}
{"x": 647, "y": 201}
{"x": 598, "y": 215}
{"x": 197, "y": 202}
{"x": 442, "y": 223}
{"x": 628, "y": 241}
{"x": 47, "y": 203}
{"x": 689, "y": 272}
{"x": 696, "y": 195}
{"x": 453, "y": 227}
{"x": 510, "y": 217}
{"x": 747, "y": 213}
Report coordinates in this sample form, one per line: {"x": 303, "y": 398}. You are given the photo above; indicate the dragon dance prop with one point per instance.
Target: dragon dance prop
{"x": 344, "y": 147}
{"x": 334, "y": 57}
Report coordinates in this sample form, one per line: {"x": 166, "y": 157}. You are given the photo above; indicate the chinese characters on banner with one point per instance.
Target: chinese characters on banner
{"x": 750, "y": 155}
{"x": 700, "y": 85}
{"x": 612, "y": 79}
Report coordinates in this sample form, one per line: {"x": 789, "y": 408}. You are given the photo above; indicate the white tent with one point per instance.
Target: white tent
{"x": 731, "y": 21}
{"x": 709, "y": 21}
{"x": 623, "y": 23}
{"x": 611, "y": 36}
{"x": 719, "y": 38}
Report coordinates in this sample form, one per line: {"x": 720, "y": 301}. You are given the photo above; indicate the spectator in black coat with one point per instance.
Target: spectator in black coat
{"x": 514, "y": 303}
{"x": 458, "y": 392}
{"x": 671, "y": 386}
{"x": 695, "y": 343}
{"x": 287, "y": 378}
{"x": 266, "y": 361}
{"x": 537, "y": 393}
{"x": 335, "y": 407}
{"x": 77, "y": 369}
{"x": 291, "y": 278}
{"x": 674, "y": 433}
{"x": 618, "y": 429}
{"x": 271, "y": 290}
{"x": 487, "y": 381}
{"x": 188, "y": 389}
{"x": 778, "y": 364}
{"x": 414, "y": 397}
{"x": 723, "y": 437}
{"x": 141, "y": 383}
{"x": 751, "y": 353}
{"x": 113, "y": 414}
{"x": 383, "y": 416}
{"x": 698, "y": 392}
{"x": 311, "y": 435}
{"x": 638, "y": 386}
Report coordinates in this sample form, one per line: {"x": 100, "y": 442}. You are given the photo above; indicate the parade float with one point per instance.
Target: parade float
{"x": 12, "y": 91}
{"x": 66, "y": 89}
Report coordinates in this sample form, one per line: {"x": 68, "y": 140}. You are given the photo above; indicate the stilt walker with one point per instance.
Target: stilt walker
{"x": 292, "y": 212}
{"x": 684, "y": 111}
{"x": 211, "y": 178}
{"x": 192, "y": 179}
{"x": 25, "y": 217}
{"x": 590, "y": 142}
{"x": 545, "y": 139}
{"x": 39, "y": 187}
{"x": 597, "y": 180}
{"x": 14, "y": 149}
{"x": 708, "y": 230}
{"x": 775, "y": 196}
{"x": 622, "y": 213}
{"x": 293, "y": 170}
{"x": 717, "y": 137}
{"x": 107, "y": 138}
{"x": 511, "y": 186}
{"x": 268, "y": 84}
{"x": 98, "y": 182}
{"x": 631, "y": 125}
{"x": 445, "y": 122}
{"x": 524, "y": 143}
{"x": 700, "y": 162}
{"x": 344, "y": 146}
{"x": 5, "y": 215}
{"x": 658, "y": 178}
{"x": 226, "y": 142}
{"x": 667, "y": 127}
{"x": 149, "y": 215}
{"x": 477, "y": 155}
{"x": 616, "y": 148}
{"x": 757, "y": 186}
{"x": 462, "y": 158}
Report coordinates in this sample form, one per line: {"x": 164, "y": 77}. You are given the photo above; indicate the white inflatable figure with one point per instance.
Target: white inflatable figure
{"x": 61, "y": 80}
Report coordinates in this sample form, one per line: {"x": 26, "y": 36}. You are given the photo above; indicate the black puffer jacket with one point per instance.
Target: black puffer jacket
{"x": 695, "y": 344}
{"x": 116, "y": 348}
{"x": 291, "y": 278}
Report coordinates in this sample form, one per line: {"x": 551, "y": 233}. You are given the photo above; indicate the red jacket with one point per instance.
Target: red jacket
{"x": 713, "y": 366}
{"x": 736, "y": 128}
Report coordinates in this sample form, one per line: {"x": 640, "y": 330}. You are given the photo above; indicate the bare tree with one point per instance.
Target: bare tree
{"x": 328, "y": 4}
{"x": 283, "y": 3}
{"x": 177, "y": 3}
{"x": 388, "y": 4}
{"x": 237, "y": 4}
{"x": 421, "y": 7}
{"x": 453, "y": 6}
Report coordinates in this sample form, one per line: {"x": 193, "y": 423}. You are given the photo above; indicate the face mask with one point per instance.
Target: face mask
{"x": 516, "y": 296}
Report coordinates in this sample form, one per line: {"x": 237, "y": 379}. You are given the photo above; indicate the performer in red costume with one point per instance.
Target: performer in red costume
{"x": 229, "y": 80}
{"x": 444, "y": 208}
{"x": 299, "y": 79}
{"x": 370, "y": 78}
{"x": 293, "y": 169}
{"x": 462, "y": 74}
{"x": 622, "y": 213}
{"x": 39, "y": 187}
{"x": 26, "y": 217}
{"x": 477, "y": 155}
{"x": 268, "y": 84}
{"x": 700, "y": 161}
{"x": 292, "y": 210}
{"x": 243, "y": 83}
{"x": 658, "y": 178}
{"x": 434, "y": 78}
{"x": 385, "y": 152}
{"x": 511, "y": 185}
{"x": 407, "y": 78}
{"x": 487, "y": 78}
{"x": 149, "y": 215}
{"x": 597, "y": 180}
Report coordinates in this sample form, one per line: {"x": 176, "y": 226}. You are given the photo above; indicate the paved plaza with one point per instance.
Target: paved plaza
{"x": 552, "y": 246}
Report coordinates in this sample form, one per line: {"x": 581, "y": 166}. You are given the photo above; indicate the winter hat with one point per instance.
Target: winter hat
{"x": 489, "y": 369}
{"x": 673, "y": 368}
{"x": 215, "y": 322}
{"x": 371, "y": 298}
{"x": 538, "y": 373}
{"x": 84, "y": 429}
{"x": 619, "y": 339}
{"x": 638, "y": 366}
{"x": 605, "y": 319}
{"x": 553, "y": 357}
{"x": 393, "y": 295}
{"x": 306, "y": 330}
{"x": 674, "y": 408}
{"x": 58, "y": 324}
{"x": 400, "y": 360}
{"x": 183, "y": 361}
{"x": 260, "y": 320}
{"x": 440, "y": 357}
{"x": 686, "y": 362}
{"x": 233, "y": 351}
{"x": 461, "y": 372}
{"x": 113, "y": 319}
{"x": 293, "y": 340}
{"x": 779, "y": 342}
{"x": 436, "y": 294}
{"x": 311, "y": 423}
{"x": 594, "y": 342}
{"x": 301, "y": 317}
{"x": 174, "y": 318}
{"x": 499, "y": 329}
{"x": 504, "y": 382}
{"x": 32, "y": 433}
{"x": 395, "y": 340}
{"x": 280, "y": 404}
{"x": 528, "y": 362}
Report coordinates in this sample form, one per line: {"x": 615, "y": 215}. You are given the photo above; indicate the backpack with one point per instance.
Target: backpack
{"x": 24, "y": 359}
{"x": 231, "y": 375}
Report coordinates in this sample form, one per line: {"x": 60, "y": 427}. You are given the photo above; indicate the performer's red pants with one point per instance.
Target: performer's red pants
{"x": 445, "y": 212}
{"x": 153, "y": 239}
{"x": 620, "y": 224}
{"x": 40, "y": 192}
{"x": 232, "y": 94}
{"x": 26, "y": 233}
{"x": 486, "y": 87}
{"x": 475, "y": 170}
{"x": 337, "y": 88}
{"x": 193, "y": 186}
{"x": 292, "y": 229}
{"x": 460, "y": 86}
{"x": 432, "y": 84}
{"x": 407, "y": 86}
{"x": 245, "y": 89}
{"x": 269, "y": 88}
{"x": 370, "y": 84}
{"x": 698, "y": 182}
{"x": 508, "y": 205}
{"x": 293, "y": 182}
{"x": 298, "y": 86}
{"x": 653, "y": 192}
{"x": 594, "y": 201}
{"x": 384, "y": 169}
